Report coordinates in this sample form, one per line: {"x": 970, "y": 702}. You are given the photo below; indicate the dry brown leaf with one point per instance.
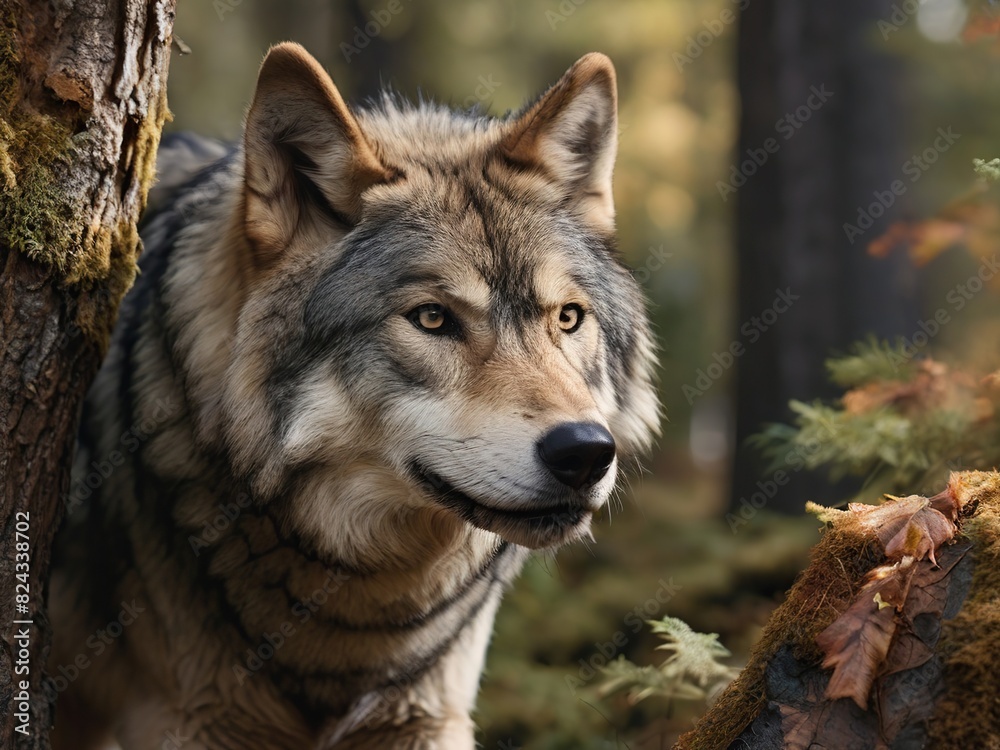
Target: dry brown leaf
{"x": 799, "y": 727}
{"x": 898, "y": 702}
{"x": 912, "y": 526}
{"x": 918, "y": 535}
{"x": 857, "y": 642}
{"x": 856, "y": 645}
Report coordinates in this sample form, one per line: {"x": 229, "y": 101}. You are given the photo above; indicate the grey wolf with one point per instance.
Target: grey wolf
{"x": 375, "y": 355}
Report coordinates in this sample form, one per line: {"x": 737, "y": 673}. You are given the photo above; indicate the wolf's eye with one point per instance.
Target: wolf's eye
{"x": 432, "y": 318}
{"x": 570, "y": 317}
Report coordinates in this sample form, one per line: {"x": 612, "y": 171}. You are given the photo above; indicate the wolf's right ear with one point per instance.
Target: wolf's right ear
{"x": 307, "y": 161}
{"x": 570, "y": 135}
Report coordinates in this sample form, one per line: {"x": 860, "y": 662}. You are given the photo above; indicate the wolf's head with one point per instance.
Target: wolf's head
{"x": 434, "y": 328}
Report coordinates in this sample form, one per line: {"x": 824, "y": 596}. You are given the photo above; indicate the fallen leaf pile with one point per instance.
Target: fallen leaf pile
{"x": 878, "y": 635}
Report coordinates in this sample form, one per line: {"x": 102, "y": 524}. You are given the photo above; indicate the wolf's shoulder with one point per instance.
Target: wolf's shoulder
{"x": 181, "y": 157}
{"x": 192, "y": 171}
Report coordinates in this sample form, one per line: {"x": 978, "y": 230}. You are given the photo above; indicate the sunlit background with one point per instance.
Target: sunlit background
{"x": 666, "y": 548}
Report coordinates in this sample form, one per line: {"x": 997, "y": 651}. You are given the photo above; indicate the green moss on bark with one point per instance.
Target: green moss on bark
{"x": 968, "y": 714}
{"x": 35, "y": 218}
{"x": 46, "y": 222}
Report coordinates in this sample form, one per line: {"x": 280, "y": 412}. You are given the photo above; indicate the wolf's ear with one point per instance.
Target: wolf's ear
{"x": 571, "y": 134}
{"x": 307, "y": 161}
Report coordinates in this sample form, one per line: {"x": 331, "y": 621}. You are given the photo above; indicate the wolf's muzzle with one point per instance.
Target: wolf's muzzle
{"x": 578, "y": 454}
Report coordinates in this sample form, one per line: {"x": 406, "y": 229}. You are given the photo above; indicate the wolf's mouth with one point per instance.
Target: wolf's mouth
{"x": 530, "y": 527}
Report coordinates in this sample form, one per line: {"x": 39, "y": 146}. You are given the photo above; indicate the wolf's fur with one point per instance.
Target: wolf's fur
{"x": 298, "y": 520}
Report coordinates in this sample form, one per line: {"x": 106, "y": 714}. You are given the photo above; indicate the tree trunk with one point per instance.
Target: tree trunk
{"x": 880, "y": 645}
{"x": 838, "y": 147}
{"x": 82, "y": 104}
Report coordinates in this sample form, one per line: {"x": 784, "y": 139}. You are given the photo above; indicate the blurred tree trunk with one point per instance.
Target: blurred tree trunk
{"x": 380, "y": 60}
{"x": 82, "y": 103}
{"x": 829, "y": 161}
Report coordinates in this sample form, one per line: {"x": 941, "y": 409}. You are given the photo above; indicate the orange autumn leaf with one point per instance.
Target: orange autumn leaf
{"x": 971, "y": 219}
{"x": 924, "y": 240}
{"x": 934, "y": 386}
{"x": 983, "y": 23}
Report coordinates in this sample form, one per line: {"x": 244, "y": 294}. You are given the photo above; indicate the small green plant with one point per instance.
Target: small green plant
{"x": 693, "y": 670}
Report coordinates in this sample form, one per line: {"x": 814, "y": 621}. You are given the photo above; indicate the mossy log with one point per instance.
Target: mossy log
{"x": 82, "y": 105}
{"x": 937, "y": 683}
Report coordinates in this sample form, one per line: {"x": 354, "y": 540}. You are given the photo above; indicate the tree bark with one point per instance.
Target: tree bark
{"x": 82, "y": 104}
{"x": 836, "y": 150}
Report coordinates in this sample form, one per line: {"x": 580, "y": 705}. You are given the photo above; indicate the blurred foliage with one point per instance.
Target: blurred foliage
{"x": 678, "y": 127}
{"x": 900, "y": 431}
{"x": 906, "y": 418}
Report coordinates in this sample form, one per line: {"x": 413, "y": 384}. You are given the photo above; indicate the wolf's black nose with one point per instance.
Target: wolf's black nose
{"x": 577, "y": 453}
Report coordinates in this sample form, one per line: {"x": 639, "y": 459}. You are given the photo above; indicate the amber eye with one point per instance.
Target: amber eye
{"x": 432, "y": 318}
{"x": 570, "y": 317}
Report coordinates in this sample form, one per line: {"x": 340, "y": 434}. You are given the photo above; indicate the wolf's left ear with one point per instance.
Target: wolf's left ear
{"x": 307, "y": 161}
{"x": 571, "y": 135}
